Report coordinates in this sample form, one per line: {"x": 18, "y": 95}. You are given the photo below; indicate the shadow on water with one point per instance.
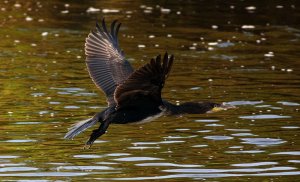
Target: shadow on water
{"x": 245, "y": 53}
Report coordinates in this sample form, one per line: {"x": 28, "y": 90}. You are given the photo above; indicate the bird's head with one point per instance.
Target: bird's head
{"x": 221, "y": 107}
{"x": 204, "y": 107}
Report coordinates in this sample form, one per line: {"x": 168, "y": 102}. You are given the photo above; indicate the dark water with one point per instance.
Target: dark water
{"x": 242, "y": 52}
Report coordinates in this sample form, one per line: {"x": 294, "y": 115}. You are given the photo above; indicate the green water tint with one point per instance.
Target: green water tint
{"x": 220, "y": 57}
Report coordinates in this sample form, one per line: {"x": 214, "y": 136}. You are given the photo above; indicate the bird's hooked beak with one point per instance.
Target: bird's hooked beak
{"x": 222, "y": 107}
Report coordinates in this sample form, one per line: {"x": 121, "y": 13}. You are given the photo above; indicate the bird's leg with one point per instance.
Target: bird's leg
{"x": 97, "y": 133}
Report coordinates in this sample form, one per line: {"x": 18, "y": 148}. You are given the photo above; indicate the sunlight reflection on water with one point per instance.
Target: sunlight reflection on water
{"x": 231, "y": 52}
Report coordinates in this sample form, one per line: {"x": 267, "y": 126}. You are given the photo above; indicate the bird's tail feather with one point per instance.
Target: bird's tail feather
{"x": 79, "y": 127}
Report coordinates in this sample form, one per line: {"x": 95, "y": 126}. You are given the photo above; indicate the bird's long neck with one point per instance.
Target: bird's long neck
{"x": 189, "y": 108}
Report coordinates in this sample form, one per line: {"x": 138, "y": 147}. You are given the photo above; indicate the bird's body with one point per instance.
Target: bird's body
{"x": 132, "y": 96}
{"x": 129, "y": 115}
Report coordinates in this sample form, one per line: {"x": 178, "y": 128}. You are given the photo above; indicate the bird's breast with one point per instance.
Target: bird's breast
{"x": 149, "y": 118}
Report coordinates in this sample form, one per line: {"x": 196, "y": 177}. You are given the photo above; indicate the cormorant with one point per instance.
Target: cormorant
{"x": 132, "y": 96}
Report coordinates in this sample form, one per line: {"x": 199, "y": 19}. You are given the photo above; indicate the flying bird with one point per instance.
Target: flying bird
{"x": 133, "y": 96}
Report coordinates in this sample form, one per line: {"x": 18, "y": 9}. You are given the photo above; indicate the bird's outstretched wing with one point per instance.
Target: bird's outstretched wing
{"x": 145, "y": 83}
{"x": 105, "y": 60}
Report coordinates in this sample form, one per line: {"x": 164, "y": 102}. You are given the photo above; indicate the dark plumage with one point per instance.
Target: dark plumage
{"x": 132, "y": 96}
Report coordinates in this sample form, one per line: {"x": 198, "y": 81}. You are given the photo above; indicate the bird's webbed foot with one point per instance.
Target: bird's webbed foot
{"x": 96, "y": 134}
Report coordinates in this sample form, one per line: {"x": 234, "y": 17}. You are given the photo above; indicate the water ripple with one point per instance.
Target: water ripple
{"x": 204, "y": 131}
{"x": 84, "y": 168}
{"x": 199, "y": 146}
{"x": 238, "y": 130}
{"x": 88, "y": 156}
{"x": 254, "y": 164}
{"x": 20, "y": 141}
{"x": 70, "y": 89}
{"x": 200, "y": 176}
{"x": 132, "y": 159}
{"x": 142, "y": 148}
{"x": 215, "y": 125}
{"x": 237, "y": 103}
{"x": 180, "y": 137}
{"x": 145, "y": 143}
{"x": 172, "y": 141}
{"x": 290, "y": 127}
{"x": 291, "y": 173}
{"x": 16, "y": 169}
{"x": 47, "y": 174}
{"x": 207, "y": 120}
{"x": 11, "y": 164}
{"x": 245, "y": 152}
{"x": 264, "y": 116}
{"x": 168, "y": 165}
{"x": 245, "y": 170}
{"x": 263, "y": 142}
{"x": 288, "y": 103}
{"x": 294, "y": 161}
{"x": 243, "y": 134}
{"x": 8, "y": 156}
{"x": 71, "y": 107}
{"x": 117, "y": 154}
{"x": 287, "y": 153}
{"x": 29, "y": 123}
{"x": 216, "y": 137}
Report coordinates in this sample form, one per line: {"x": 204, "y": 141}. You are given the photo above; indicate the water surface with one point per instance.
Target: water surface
{"x": 245, "y": 53}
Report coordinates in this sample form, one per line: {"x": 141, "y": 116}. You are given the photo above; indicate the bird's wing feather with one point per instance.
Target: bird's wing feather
{"x": 105, "y": 61}
{"x": 145, "y": 83}
{"x": 79, "y": 127}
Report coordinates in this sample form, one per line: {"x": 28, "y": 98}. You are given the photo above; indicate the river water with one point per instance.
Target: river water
{"x": 245, "y": 53}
